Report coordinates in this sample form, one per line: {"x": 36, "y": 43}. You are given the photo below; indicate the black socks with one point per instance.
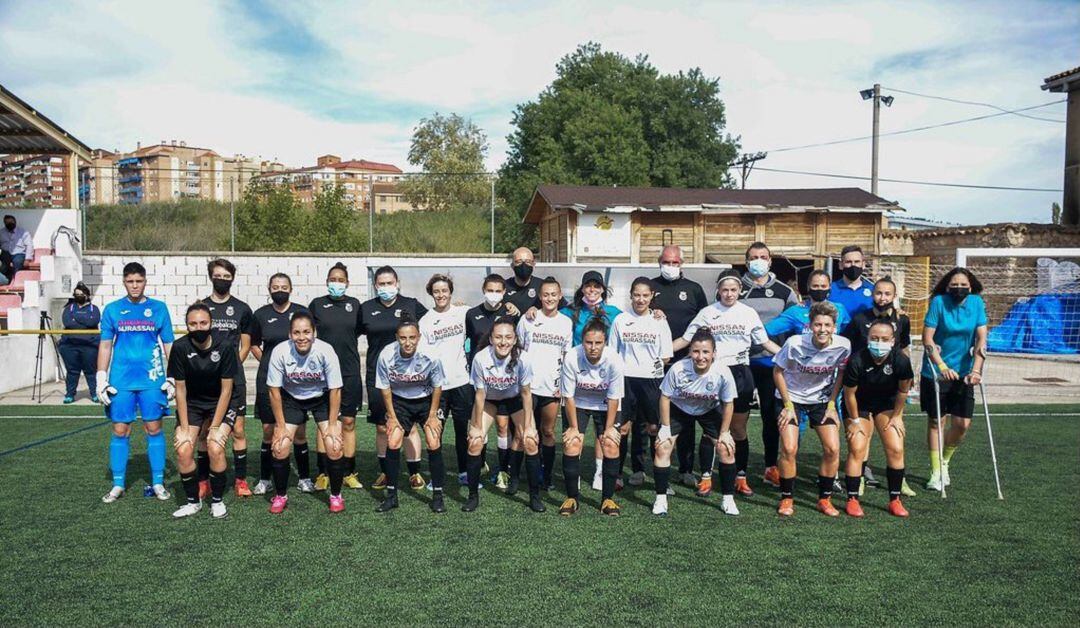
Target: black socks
{"x": 393, "y": 470}
{"x": 852, "y": 483}
{"x": 191, "y": 487}
{"x": 571, "y": 468}
{"x": 727, "y": 478}
{"x": 303, "y": 464}
{"x": 895, "y": 480}
{"x": 217, "y": 485}
{"x": 281, "y": 476}
{"x": 787, "y": 487}
{"x": 266, "y": 462}
{"x": 609, "y": 472}
{"x": 532, "y": 468}
{"x": 824, "y": 487}
{"x": 336, "y": 471}
{"x": 240, "y": 463}
{"x": 742, "y": 455}
{"x": 438, "y": 468}
{"x": 662, "y": 477}
{"x": 202, "y": 464}
{"x": 472, "y": 468}
{"x": 547, "y": 463}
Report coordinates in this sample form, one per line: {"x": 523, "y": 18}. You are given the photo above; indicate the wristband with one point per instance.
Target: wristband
{"x": 831, "y": 405}
{"x": 942, "y": 366}
{"x": 788, "y": 405}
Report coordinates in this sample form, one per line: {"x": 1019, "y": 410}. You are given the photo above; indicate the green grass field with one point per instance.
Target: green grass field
{"x": 66, "y": 558}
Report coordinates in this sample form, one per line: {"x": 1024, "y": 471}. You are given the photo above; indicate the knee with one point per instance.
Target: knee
{"x": 380, "y": 430}
{"x": 789, "y": 448}
{"x": 547, "y": 432}
{"x": 531, "y": 442}
{"x": 121, "y": 429}
{"x": 348, "y": 426}
{"x": 476, "y": 442}
{"x": 830, "y": 452}
{"x": 153, "y": 430}
{"x": 663, "y": 451}
{"x": 268, "y": 433}
{"x": 215, "y": 450}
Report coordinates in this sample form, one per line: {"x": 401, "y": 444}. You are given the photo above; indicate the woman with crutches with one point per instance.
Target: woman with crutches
{"x": 954, "y": 340}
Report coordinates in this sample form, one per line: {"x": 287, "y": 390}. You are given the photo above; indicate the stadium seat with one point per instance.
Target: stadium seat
{"x": 9, "y": 302}
{"x": 18, "y": 283}
{"x": 36, "y": 263}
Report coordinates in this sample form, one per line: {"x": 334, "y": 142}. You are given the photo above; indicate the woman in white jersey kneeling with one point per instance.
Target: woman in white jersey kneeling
{"x": 546, "y": 338}
{"x": 411, "y": 386}
{"x": 644, "y": 344}
{"x": 697, "y": 388}
{"x": 304, "y": 377}
{"x": 592, "y": 386}
{"x": 501, "y": 376}
{"x": 808, "y": 373}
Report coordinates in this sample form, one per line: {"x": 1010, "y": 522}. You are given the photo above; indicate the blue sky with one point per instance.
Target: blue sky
{"x": 292, "y": 80}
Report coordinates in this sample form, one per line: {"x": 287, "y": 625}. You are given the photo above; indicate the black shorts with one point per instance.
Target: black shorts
{"x": 957, "y": 398}
{"x": 376, "y": 407}
{"x": 410, "y": 412}
{"x": 198, "y": 416}
{"x": 296, "y": 410}
{"x": 641, "y": 400}
{"x": 540, "y": 401}
{"x": 710, "y": 421}
{"x": 457, "y": 402}
{"x": 352, "y": 394}
{"x": 875, "y": 406}
{"x": 813, "y": 413}
{"x": 744, "y": 387}
{"x": 598, "y": 418}
{"x": 506, "y": 407}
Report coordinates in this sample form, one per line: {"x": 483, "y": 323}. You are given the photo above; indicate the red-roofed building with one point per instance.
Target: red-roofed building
{"x": 355, "y": 176}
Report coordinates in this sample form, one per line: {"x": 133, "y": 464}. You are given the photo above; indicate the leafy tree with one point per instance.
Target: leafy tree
{"x": 333, "y": 225}
{"x": 450, "y": 150}
{"x": 268, "y": 218}
{"x": 610, "y": 120}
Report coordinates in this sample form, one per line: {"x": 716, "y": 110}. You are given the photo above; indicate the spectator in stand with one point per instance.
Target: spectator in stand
{"x": 79, "y": 352}
{"x": 18, "y": 243}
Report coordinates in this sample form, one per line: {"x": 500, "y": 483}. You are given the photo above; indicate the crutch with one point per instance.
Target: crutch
{"x": 989, "y": 429}
{"x": 940, "y": 425}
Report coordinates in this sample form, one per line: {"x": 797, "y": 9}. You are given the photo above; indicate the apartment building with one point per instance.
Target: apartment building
{"x": 355, "y": 176}
{"x": 388, "y": 199}
{"x": 34, "y": 181}
{"x": 97, "y": 179}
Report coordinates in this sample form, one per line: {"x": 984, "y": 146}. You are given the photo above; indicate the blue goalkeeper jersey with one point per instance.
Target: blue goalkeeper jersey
{"x": 138, "y": 358}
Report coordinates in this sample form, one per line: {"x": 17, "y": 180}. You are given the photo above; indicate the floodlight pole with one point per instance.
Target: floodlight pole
{"x": 874, "y": 153}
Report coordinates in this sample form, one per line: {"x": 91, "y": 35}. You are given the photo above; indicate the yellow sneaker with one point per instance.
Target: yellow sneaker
{"x": 417, "y": 482}
{"x": 568, "y": 507}
{"x": 351, "y": 481}
{"x": 380, "y": 482}
{"x": 322, "y": 482}
{"x": 610, "y": 508}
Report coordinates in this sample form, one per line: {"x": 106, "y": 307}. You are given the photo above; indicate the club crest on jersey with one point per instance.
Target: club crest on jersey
{"x": 348, "y": 307}
{"x": 888, "y": 369}
{"x": 229, "y": 311}
{"x": 532, "y": 293}
{"x": 397, "y": 313}
{"x": 866, "y": 292}
{"x": 710, "y": 385}
{"x": 682, "y": 295}
{"x": 148, "y": 312}
{"x": 769, "y": 292}
{"x": 215, "y": 356}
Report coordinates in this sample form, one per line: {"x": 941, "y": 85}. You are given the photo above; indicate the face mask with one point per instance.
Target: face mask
{"x": 222, "y": 286}
{"x": 493, "y": 298}
{"x": 386, "y": 293}
{"x": 80, "y": 299}
{"x": 591, "y": 302}
{"x": 670, "y": 272}
{"x": 523, "y": 271}
{"x": 336, "y": 288}
{"x": 818, "y": 296}
{"x": 757, "y": 268}
{"x": 199, "y": 335}
{"x": 10, "y": 226}
{"x": 851, "y": 273}
{"x": 280, "y": 297}
{"x": 879, "y": 348}
{"x": 959, "y": 294}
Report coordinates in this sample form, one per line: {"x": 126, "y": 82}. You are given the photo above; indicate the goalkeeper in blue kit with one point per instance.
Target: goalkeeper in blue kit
{"x": 136, "y": 335}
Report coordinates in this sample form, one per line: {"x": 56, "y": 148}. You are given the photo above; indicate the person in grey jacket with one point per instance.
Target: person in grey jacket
{"x": 79, "y": 352}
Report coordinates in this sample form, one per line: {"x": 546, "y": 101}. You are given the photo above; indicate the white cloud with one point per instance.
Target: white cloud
{"x": 790, "y": 75}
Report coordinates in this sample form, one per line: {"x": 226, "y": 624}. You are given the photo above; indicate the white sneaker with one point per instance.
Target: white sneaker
{"x": 597, "y": 482}
{"x": 217, "y": 510}
{"x": 934, "y": 483}
{"x": 637, "y": 478}
{"x": 162, "y": 493}
{"x": 187, "y": 510}
{"x": 689, "y": 479}
{"x": 727, "y": 505}
{"x": 659, "y": 506}
{"x": 114, "y": 494}
{"x": 262, "y": 487}
{"x": 945, "y": 474}
{"x": 305, "y": 485}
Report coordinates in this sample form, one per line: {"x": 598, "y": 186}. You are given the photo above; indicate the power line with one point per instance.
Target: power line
{"x": 909, "y": 181}
{"x": 973, "y": 102}
{"x": 913, "y": 130}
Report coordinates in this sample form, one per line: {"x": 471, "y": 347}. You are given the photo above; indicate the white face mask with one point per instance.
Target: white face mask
{"x": 670, "y": 272}
{"x": 879, "y": 348}
{"x": 493, "y": 298}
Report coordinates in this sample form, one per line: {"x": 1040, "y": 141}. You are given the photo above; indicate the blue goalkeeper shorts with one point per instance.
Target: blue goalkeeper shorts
{"x": 152, "y": 405}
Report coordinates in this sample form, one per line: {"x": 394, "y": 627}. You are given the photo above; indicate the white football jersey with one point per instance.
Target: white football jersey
{"x": 414, "y": 377}
{"x": 442, "y": 336}
{"x": 546, "y": 339}
{"x": 591, "y": 385}
{"x": 694, "y": 393}
{"x": 809, "y": 372}
{"x": 734, "y": 328}
{"x": 495, "y": 376}
{"x": 643, "y": 342}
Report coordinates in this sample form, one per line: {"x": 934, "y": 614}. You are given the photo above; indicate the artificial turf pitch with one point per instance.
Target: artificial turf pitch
{"x": 67, "y": 558}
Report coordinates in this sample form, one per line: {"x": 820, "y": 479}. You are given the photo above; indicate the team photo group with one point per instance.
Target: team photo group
{"x": 674, "y": 379}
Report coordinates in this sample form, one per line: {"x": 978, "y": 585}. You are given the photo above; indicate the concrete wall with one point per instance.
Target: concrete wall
{"x": 940, "y": 245}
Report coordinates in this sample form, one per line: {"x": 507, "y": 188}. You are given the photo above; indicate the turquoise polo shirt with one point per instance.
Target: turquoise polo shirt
{"x": 954, "y": 330}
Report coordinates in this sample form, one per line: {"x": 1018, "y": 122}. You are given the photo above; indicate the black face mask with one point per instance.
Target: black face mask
{"x": 851, "y": 273}
{"x": 817, "y": 296}
{"x": 523, "y": 271}
{"x": 222, "y": 286}
{"x": 80, "y": 299}
{"x": 959, "y": 294}
{"x": 279, "y": 297}
{"x": 199, "y": 335}
{"x": 10, "y": 226}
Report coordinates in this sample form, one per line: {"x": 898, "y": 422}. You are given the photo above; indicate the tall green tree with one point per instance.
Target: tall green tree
{"x": 333, "y": 225}
{"x": 268, "y": 219}
{"x": 607, "y": 119}
{"x": 450, "y": 151}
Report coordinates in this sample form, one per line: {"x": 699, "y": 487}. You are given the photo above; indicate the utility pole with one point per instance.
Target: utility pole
{"x": 747, "y": 163}
{"x": 874, "y": 149}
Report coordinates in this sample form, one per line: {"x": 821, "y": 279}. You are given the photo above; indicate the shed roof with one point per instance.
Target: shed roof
{"x": 624, "y": 199}
{"x": 24, "y": 131}
{"x": 1063, "y": 81}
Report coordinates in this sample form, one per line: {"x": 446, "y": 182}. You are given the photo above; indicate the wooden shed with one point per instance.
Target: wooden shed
{"x": 628, "y": 224}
